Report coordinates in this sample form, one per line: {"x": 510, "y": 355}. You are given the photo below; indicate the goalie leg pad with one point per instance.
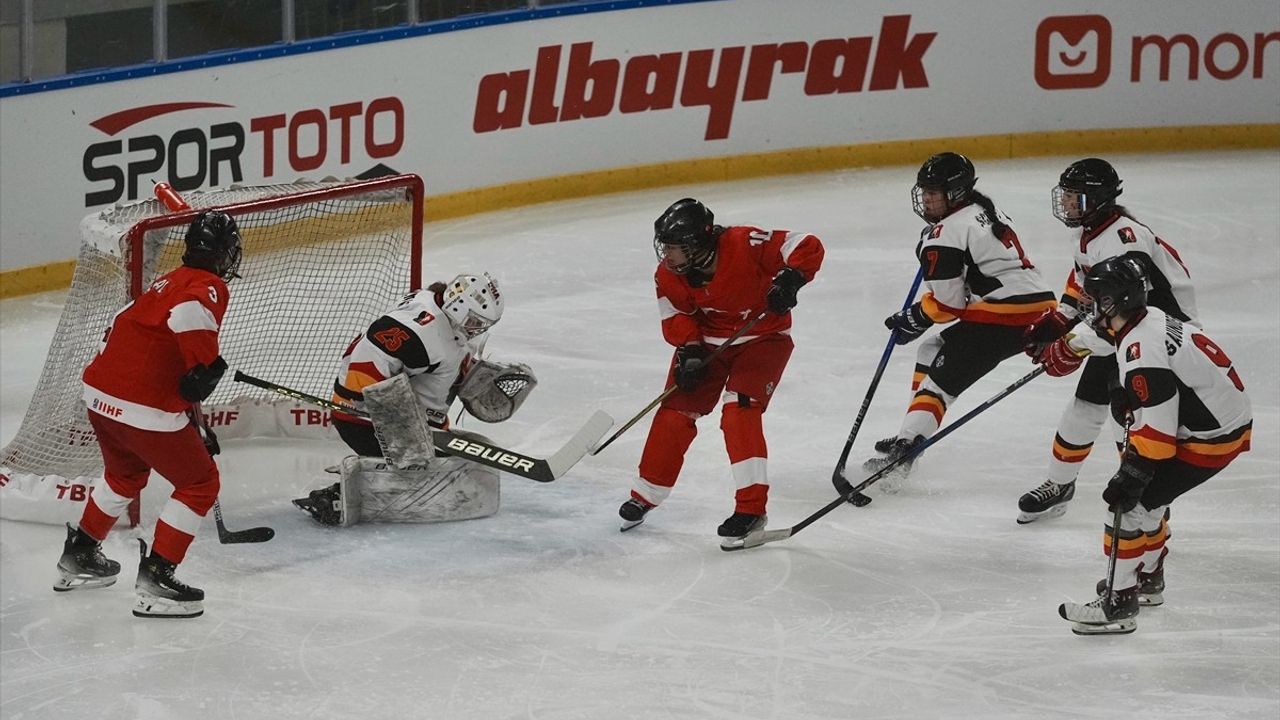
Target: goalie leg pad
{"x": 399, "y": 421}
{"x": 445, "y": 489}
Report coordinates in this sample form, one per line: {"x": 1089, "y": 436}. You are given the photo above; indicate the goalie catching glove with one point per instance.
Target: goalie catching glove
{"x": 492, "y": 392}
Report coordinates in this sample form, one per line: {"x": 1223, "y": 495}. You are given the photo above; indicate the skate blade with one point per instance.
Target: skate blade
{"x": 1152, "y": 600}
{"x": 1053, "y": 512}
{"x": 1114, "y": 627}
{"x": 67, "y": 583}
{"x": 629, "y": 524}
{"x": 148, "y": 606}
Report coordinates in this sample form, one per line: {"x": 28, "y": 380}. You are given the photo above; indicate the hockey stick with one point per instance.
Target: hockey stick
{"x": 714, "y": 354}
{"x": 1116, "y": 516}
{"x": 225, "y": 536}
{"x": 760, "y": 537}
{"x": 473, "y": 447}
{"x": 837, "y": 476}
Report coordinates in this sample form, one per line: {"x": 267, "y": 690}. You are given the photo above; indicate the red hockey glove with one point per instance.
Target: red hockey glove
{"x": 1048, "y": 327}
{"x": 1059, "y": 359}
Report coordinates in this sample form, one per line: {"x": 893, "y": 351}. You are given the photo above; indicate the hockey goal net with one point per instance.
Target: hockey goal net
{"x": 320, "y": 261}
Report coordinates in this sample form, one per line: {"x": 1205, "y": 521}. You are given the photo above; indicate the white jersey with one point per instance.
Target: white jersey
{"x": 972, "y": 275}
{"x": 1170, "y": 281}
{"x": 416, "y": 339}
{"x": 1190, "y": 402}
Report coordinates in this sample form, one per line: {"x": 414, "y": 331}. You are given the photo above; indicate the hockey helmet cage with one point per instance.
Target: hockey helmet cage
{"x": 473, "y": 304}
{"x": 213, "y": 244}
{"x": 689, "y": 227}
{"x": 1093, "y": 185}
{"x": 1116, "y": 285}
{"x": 948, "y": 172}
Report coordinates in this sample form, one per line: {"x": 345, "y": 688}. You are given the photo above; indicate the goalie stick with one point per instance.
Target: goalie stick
{"x": 225, "y": 536}
{"x": 474, "y": 448}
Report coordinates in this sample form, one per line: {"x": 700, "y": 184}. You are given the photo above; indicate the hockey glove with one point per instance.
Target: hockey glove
{"x": 690, "y": 366}
{"x": 1044, "y": 330}
{"x": 1121, "y": 411}
{"x": 1130, "y": 481}
{"x": 1060, "y": 359}
{"x": 200, "y": 380}
{"x": 782, "y": 293}
{"x": 908, "y": 324}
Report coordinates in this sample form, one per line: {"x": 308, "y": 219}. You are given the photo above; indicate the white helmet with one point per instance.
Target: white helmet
{"x": 473, "y": 304}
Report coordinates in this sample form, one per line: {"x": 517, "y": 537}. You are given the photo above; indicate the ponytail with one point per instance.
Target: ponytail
{"x": 998, "y": 228}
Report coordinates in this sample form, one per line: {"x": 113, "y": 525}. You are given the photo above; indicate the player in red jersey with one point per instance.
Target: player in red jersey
{"x": 158, "y": 358}
{"x": 712, "y": 280}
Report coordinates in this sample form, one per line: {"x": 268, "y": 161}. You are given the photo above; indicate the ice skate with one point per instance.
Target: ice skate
{"x": 1096, "y": 618}
{"x": 1150, "y": 588}
{"x": 82, "y": 565}
{"x": 324, "y": 505}
{"x": 893, "y": 452}
{"x": 632, "y": 513}
{"x": 884, "y": 446}
{"x": 737, "y": 526}
{"x": 1047, "y": 501}
{"x": 160, "y": 594}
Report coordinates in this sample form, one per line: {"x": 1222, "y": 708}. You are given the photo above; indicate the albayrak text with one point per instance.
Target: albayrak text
{"x": 710, "y": 78}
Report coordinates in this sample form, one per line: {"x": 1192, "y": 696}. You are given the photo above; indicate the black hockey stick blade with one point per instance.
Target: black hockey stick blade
{"x": 236, "y": 537}
{"x": 760, "y": 537}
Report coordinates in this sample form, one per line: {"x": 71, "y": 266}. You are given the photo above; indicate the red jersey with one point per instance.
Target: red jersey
{"x": 747, "y": 258}
{"x": 151, "y": 343}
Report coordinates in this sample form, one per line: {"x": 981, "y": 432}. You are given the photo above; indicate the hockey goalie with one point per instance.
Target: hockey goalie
{"x": 398, "y": 379}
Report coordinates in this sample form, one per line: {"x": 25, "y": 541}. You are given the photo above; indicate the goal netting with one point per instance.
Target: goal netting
{"x": 321, "y": 260}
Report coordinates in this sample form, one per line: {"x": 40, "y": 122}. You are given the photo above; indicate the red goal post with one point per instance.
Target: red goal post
{"x": 320, "y": 261}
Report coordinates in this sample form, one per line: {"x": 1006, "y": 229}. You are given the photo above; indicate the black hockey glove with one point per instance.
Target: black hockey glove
{"x": 200, "y": 380}
{"x": 908, "y": 324}
{"x": 782, "y": 293}
{"x": 1043, "y": 331}
{"x": 1121, "y": 411}
{"x": 1130, "y": 481}
{"x": 690, "y": 366}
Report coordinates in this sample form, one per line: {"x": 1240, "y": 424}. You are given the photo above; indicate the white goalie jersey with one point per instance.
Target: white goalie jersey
{"x": 415, "y": 339}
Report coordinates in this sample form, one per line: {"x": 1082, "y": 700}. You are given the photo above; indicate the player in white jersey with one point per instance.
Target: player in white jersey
{"x": 430, "y": 337}
{"x": 1085, "y": 199}
{"x": 977, "y": 277}
{"x": 1187, "y": 418}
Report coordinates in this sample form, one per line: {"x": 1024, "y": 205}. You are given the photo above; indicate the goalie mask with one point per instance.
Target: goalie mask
{"x": 492, "y": 392}
{"x": 473, "y": 304}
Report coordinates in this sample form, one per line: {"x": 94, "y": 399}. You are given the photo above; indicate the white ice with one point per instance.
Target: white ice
{"x": 931, "y": 603}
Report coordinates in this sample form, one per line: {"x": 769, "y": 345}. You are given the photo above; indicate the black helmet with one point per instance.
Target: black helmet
{"x": 1116, "y": 285}
{"x": 690, "y": 227}
{"x": 213, "y": 244}
{"x": 948, "y": 172}
{"x": 1096, "y": 187}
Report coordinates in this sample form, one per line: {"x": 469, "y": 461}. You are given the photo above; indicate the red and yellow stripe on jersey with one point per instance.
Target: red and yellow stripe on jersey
{"x": 1021, "y": 310}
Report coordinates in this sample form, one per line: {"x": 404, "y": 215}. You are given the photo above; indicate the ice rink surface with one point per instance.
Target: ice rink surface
{"x": 931, "y": 603}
